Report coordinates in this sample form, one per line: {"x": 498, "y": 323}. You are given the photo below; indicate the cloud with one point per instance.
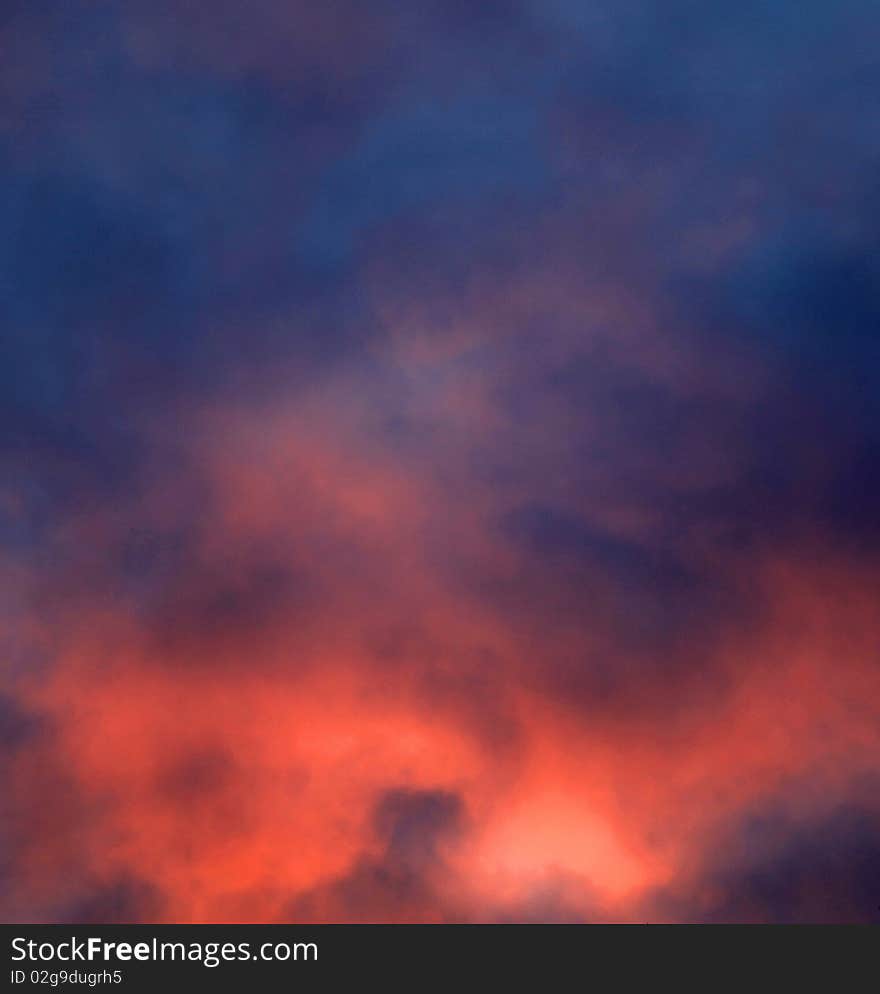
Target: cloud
{"x": 438, "y": 468}
{"x": 403, "y": 880}
{"x": 772, "y": 868}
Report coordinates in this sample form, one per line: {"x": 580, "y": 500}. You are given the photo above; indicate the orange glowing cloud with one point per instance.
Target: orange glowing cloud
{"x": 231, "y": 741}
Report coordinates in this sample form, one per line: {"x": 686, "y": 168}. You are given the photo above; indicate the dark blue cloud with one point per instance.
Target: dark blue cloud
{"x": 123, "y": 902}
{"x": 403, "y": 882}
{"x": 412, "y": 158}
{"x": 17, "y": 726}
{"x": 777, "y": 870}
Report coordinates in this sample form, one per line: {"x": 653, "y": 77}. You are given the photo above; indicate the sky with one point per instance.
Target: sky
{"x": 440, "y": 461}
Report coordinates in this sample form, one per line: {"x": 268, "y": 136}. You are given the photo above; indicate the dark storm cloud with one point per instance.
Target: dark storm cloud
{"x": 122, "y": 902}
{"x": 807, "y": 301}
{"x": 40, "y": 796}
{"x": 413, "y": 823}
{"x": 774, "y": 869}
{"x": 404, "y": 880}
{"x": 17, "y": 726}
{"x": 161, "y": 226}
{"x": 658, "y": 591}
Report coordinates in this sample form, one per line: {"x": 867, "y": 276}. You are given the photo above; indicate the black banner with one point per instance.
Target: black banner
{"x": 135, "y": 958}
